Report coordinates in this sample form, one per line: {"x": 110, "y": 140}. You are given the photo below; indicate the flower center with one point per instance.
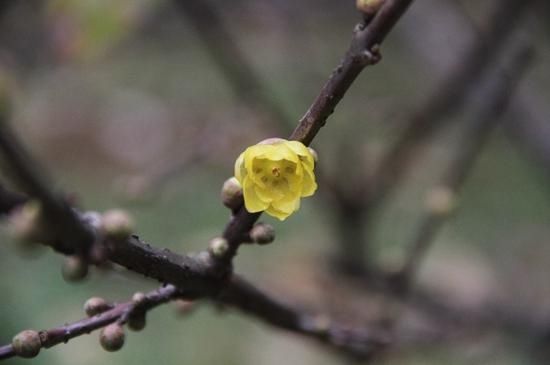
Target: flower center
{"x": 276, "y": 172}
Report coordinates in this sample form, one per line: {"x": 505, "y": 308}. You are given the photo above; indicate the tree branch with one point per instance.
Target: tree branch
{"x": 119, "y": 312}
{"x": 494, "y": 98}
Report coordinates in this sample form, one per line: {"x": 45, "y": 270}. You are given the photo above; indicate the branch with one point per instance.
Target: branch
{"x": 494, "y": 98}
{"x": 358, "y": 341}
{"x": 72, "y": 234}
{"x": 448, "y": 96}
{"x": 363, "y": 51}
{"x": 119, "y": 312}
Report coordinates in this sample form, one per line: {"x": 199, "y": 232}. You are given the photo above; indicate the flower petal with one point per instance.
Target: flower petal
{"x": 289, "y": 204}
{"x": 252, "y": 202}
{"x": 277, "y": 213}
{"x": 240, "y": 171}
{"x": 308, "y": 183}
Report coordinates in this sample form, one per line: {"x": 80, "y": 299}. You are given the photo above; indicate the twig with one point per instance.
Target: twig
{"x": 358, "y": 341}
{"x": 119, "y": 312}
{"x": 447, "y": 97}
{"x": 72, "y": 235}
{"x": 362, "y": 52}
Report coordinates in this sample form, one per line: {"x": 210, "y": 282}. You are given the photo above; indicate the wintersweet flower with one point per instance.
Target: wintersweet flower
{"x": 275, "y": 174}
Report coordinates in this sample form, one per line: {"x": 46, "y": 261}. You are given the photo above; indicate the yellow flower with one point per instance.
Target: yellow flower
{"x": 274, "y": 175}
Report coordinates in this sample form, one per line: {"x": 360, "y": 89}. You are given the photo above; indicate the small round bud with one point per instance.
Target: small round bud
{"x": 27, "y": 344}
{"x": 262, "y": 233}
{"x": 218, "y": 247}
{"x": 183, "y": 306}
{"x": 314, "y": 154}
{"x": 440, "y": 201}
{"x": 137, "y": 322}
{"x": 112, "y": 337}
{"x": 117, "y": 224}
{"x": 369, "y": 6}
{"x": 232, "y": 193}
{"x": 95, "y": 305}
{"x": 74, "y": 269}
{"x": 138, "y": 297}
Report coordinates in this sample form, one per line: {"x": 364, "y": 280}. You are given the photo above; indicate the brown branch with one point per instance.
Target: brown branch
{"x": 73, "y": 236}
{"x": 199, "y": 275}
{"x": 119, "y": 312}
{"x": 493, "y": 100}
{"x": 357, "y": 341}
{"x": 362, "y": 52}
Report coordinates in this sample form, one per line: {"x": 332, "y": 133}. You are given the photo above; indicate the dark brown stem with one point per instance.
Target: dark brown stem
{"x": 362, "y": 52}
{"x": 356, "y": 341}
{"x": 63, "y": 334}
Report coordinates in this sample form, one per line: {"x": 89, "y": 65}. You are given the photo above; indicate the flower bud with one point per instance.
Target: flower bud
{"x": 74, "y": 269}
{"x": 27, "y": 344}
{"x": 95, "y": 305}
{"x": 369, "y": 7}
{"x": 117, "y": 224}
{"x": 137, "y": 322}
{"x": 218, "y": 247}
{"x": 262, "y": 233}
{"x": 440, "y": 201}
{"x": 183, "y": 306}
{"x": 232, "y": 193}
{"x": 112, "y": 337}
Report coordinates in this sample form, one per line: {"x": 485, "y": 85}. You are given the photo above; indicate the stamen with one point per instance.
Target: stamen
{"x": 276, "y": 172}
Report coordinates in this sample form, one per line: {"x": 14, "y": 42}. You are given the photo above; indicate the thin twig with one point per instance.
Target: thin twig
{"x": 447, "y": 97}
{"x": 363, "y": 51}
{"x": 493, "y": 99}
{"x": 63, "y": 334}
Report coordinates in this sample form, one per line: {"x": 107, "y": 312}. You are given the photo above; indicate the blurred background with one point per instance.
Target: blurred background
{"x": 145, "y": 105}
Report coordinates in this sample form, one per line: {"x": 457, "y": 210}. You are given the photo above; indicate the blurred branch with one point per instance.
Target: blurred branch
{"x": 363, "y": 51}
{"x": 448, "y": 97}
{"x": 493, "y": 99}
{"x": 118, "y": 313}
{"x": 73, "y": 236}
{"x": 246, "y": 83}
